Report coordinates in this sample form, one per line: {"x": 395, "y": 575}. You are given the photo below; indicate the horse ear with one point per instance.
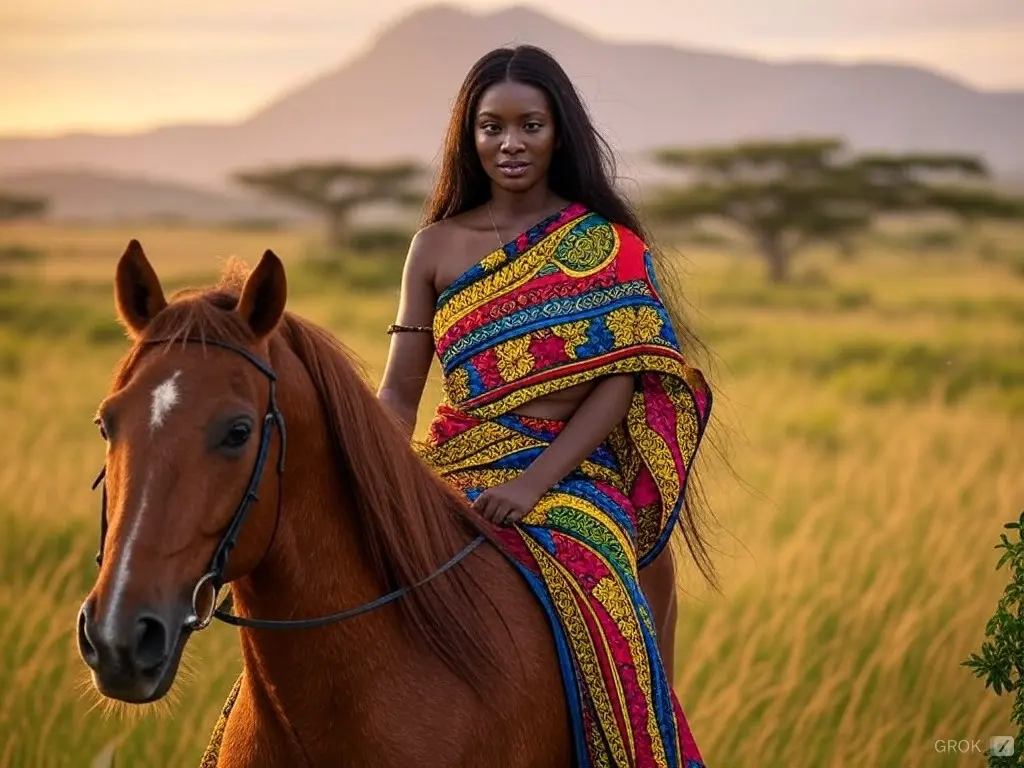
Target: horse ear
{"x": 138, "y": 294}
{"x": 263, "y": 297}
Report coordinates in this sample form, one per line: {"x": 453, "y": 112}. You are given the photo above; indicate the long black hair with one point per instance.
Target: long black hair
{"x": 582, "y": 170}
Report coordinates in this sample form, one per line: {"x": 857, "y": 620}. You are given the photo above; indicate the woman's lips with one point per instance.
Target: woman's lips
{"x": 513, "y": 168}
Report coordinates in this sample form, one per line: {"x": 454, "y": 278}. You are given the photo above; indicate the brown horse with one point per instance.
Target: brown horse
{"x": 220, "y": 384}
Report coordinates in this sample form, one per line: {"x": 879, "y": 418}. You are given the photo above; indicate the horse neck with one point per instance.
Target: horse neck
{"x": 314, "y": 567}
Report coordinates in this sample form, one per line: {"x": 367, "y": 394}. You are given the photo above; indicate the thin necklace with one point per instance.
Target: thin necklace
{"x": 501, "y": 243}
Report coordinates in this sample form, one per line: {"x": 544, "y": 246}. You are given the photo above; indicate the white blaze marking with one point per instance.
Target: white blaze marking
{"x": 108, "y": 624}
{"x": 165, "y": 397}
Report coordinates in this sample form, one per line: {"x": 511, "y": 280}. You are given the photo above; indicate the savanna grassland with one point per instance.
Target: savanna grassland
{"x": 871, "y": 414}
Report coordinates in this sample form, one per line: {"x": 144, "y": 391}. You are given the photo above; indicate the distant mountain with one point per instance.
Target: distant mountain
{"x": 102, "y": 196}
{"x": 392, "y": 101}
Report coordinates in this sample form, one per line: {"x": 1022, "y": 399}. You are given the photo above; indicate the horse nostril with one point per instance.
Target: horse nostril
{"x": 85, "y": 645}
{"x": 150, "y": 643}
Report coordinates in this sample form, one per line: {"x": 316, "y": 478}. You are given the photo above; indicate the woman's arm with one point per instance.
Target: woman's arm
{"x": 590, "y": 425}
{"x": 411, "y": 352}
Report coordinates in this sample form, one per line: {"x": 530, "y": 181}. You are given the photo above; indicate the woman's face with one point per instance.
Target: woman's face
{"x": 514, "y": 132}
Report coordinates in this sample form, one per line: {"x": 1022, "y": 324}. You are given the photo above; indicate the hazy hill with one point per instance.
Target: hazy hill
{"x": 393, "y": 100}
{"x": 103, "y": 196}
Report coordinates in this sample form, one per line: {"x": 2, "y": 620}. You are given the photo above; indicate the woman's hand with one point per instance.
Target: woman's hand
{"x": 509, "y": 502}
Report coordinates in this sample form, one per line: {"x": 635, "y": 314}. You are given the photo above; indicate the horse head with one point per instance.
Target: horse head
{"x": 189, "y": 425}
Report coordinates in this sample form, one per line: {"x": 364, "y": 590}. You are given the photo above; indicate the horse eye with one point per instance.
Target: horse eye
{"x": 237, "y": 435}
{"x": 99, "y": 424}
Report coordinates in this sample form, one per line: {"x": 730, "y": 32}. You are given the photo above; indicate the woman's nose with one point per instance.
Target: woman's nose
{"x": 512, "y": 142}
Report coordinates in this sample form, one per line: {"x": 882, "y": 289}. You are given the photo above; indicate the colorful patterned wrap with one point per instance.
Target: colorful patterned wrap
{"x": 572, "y": 299}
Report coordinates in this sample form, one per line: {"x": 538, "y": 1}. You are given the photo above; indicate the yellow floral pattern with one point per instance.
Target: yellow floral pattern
{"x": 456, "y": 386}
{"x": 574, "y": 335}
{"x": 634, "y": 325}
{"x": 514, "y": 358}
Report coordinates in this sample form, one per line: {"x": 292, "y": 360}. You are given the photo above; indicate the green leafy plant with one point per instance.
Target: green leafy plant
{"x": 1000, "y": 662}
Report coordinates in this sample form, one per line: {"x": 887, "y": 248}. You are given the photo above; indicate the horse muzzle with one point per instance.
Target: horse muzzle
{"x": 133, "y": 655}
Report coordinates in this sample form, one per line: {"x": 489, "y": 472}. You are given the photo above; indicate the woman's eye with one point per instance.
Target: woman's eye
{"x": 237, "y": 435}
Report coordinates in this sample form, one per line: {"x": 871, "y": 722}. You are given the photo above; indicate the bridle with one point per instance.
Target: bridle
{"x": 213, "y": 577}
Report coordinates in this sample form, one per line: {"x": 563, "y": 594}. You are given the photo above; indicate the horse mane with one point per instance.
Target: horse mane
{"x": 411, "y": 522}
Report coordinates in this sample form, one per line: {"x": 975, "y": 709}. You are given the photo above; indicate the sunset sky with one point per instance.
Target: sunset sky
{"x": 123, "y": 65}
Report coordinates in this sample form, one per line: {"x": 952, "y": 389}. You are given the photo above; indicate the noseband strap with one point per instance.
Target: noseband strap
{"x": 214, "y": 576}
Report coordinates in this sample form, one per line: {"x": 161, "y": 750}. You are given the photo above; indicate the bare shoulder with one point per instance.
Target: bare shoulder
{"x": 441, "y": 249}
{"x": 433, "y": 233}
{"x": 456, "y": 229}
{"x": 432, "y": 241}
{"x": 424, "y": 247}
{"x": 426, "y": 239}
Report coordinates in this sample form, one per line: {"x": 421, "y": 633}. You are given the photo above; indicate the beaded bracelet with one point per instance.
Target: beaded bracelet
{"x": 395, "y": 327}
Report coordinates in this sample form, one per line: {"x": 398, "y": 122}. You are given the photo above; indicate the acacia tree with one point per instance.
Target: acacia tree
{"x": 787, "y": 194}
{"x": 13, "y": 207}
{"x": 336, "y": 189}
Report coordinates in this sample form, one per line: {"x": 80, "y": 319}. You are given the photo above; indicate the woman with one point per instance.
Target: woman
{"x": 570, "y": 418}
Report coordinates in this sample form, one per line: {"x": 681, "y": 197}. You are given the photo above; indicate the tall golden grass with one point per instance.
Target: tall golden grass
{"x": 871, "y": 416}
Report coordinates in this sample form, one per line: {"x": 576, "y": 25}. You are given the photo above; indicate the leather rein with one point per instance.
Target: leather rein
{"x": 214, "y": 574}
